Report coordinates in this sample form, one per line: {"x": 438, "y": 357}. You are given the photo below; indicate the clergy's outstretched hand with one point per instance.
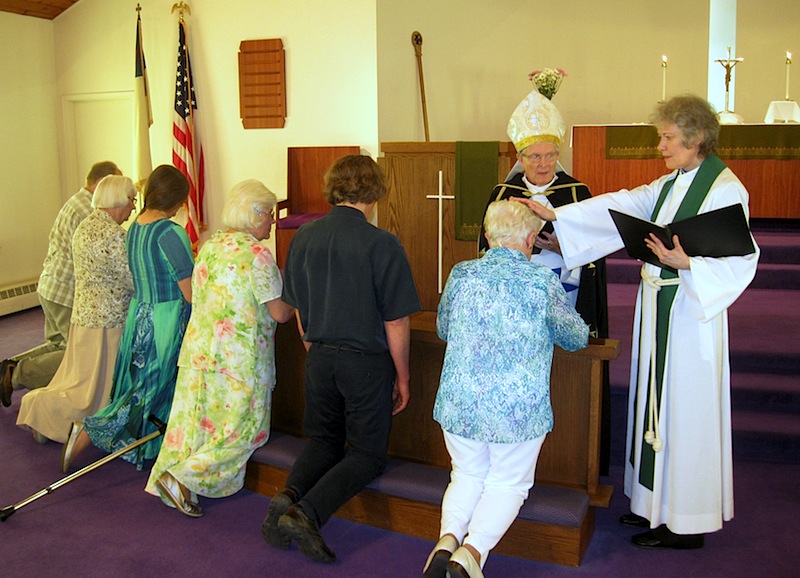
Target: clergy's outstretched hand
{"x": 539, "y": 210}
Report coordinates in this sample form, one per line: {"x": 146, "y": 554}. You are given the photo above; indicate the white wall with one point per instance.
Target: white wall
{"x": 331, "y": 76}
{"x": 351, "y": 71}
{"x": 766, "y": 31}
{"x": 30, "y": 183}
{"x": 477, "y": 56}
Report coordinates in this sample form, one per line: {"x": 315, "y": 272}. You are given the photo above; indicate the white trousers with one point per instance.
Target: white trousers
{"x": 488, "y": 485}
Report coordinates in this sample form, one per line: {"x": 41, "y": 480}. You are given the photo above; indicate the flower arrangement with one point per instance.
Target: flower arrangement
{"x": 547, "y": 81}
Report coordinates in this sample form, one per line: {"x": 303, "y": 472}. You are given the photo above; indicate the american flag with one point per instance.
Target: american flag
{"x": 187, "y": 152}
{"x": 143, "y": 114}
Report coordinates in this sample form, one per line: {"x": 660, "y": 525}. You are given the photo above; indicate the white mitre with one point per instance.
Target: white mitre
{"x": 536, "y": 119}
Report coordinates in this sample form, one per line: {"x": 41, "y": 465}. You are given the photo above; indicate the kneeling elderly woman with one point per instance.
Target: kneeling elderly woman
{"x": 221, "y": 409}
{"x": 500, "y": 316}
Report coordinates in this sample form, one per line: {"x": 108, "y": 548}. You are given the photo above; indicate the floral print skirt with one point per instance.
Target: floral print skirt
{"x": 215, "y": 425}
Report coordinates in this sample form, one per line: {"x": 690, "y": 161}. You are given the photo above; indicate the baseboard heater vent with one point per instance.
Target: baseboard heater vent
{"x": 18, "y": 298}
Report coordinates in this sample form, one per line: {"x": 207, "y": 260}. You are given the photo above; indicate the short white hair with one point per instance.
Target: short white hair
{"x": 112, "y": 192}
{"x": 508, "y": 223}
{"x": 247, "y": 204}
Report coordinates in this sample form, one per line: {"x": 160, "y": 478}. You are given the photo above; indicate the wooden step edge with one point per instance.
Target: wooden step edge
{"x": 525, "y": 539}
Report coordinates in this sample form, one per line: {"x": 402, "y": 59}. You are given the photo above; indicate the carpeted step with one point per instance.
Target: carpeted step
{"x": 784, "y": 276}
{"x": 765, "y": 392}
{"x": 766, "y": 437}
{"x": 766, "y": 363}
{"x": 778, "y": 247}
{"x": 764, "y": 333}
{"x": 546, "y": 504}
{"x": 764, "y": 341}
{"x": 765, "y": 225}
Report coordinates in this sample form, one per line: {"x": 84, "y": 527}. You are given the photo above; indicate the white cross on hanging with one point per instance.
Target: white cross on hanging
{"x": 440, "y": 198}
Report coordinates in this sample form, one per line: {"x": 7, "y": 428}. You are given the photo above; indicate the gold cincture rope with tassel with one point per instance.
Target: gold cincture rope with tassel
{"x": 652, "y": 435}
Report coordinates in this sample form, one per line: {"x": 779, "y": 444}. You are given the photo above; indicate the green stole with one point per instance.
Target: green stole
{"x": 708, "y": 172}
{"x": 476, "y": 172}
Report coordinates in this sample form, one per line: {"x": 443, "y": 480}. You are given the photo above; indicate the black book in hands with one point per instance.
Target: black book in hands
{"x": 719, "y": 233}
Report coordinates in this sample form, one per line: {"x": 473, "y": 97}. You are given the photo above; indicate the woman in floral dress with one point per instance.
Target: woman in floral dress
{"x": 221, "y": 410}
{"x": 161, "y": 262}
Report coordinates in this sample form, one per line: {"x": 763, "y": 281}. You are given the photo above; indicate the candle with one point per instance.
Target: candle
{"x": 663, "y": 78}
{"x": 788, "y": 65}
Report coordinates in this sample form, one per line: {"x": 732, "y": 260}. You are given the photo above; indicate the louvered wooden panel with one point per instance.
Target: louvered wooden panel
{"x": 262, "y": 83}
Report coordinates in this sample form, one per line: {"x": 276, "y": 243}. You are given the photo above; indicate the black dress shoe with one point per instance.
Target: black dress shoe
{"x": 661, "y": 538}
{"x": 634, "y": 520}
{"x": 280, "y": 502}
{"x": 296, "y": 524}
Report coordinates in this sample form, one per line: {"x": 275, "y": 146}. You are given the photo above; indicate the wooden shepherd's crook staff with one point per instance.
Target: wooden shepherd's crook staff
{"x": 416, "y": 40}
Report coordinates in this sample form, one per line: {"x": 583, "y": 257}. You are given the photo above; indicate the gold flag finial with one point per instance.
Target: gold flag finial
{"x": 180, "y": 7}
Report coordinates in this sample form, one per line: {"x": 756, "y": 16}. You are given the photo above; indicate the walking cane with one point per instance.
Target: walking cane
{"x": 8, "y": 511}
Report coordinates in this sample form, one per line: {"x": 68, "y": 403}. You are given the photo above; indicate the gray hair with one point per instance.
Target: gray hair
{"x": 696, "y": 119}
{"x": 508, "y": 223}
{"x": 112, "y": 192}
{"x": 248, "y": 202}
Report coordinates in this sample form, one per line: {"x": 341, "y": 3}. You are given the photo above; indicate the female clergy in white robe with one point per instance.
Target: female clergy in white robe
{"x": 688, "y": 484}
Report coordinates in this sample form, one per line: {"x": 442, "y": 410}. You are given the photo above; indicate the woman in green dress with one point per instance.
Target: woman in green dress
{"x": 221, "y": 411}
{"x": 161, "y": 262}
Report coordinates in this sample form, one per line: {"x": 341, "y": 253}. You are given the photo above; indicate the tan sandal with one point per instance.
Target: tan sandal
{"x": 463, "y": 565}
{"x": 172, "y": 489}
{"x": 436, "y": 566}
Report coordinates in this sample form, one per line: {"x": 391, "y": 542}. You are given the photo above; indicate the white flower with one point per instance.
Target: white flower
{"x": 547, "y": 81}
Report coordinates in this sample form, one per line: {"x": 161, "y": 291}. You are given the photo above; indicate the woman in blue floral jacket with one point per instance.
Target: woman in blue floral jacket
{"x": 500, "y": 315}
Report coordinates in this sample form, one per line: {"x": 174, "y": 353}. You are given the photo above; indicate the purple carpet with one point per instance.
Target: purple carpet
{"x": 104, "y": 524}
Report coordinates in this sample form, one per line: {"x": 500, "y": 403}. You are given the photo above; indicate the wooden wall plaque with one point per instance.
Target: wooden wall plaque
{"x": 262, "y": 83}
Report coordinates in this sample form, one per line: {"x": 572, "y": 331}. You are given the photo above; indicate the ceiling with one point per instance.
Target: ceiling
{"x": 48, "y": 9}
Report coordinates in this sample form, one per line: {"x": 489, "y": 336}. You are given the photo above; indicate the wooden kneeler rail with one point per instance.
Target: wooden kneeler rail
{"x": 525, "y": 539}
{"x": 568, "y": 485}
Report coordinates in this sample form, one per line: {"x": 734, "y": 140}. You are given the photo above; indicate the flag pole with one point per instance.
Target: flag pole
{"x": 143, "y": 113}
{"x": 187, "y": 151}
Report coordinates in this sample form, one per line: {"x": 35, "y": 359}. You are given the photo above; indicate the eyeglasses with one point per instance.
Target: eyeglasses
{"x": 537, "y": 158}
